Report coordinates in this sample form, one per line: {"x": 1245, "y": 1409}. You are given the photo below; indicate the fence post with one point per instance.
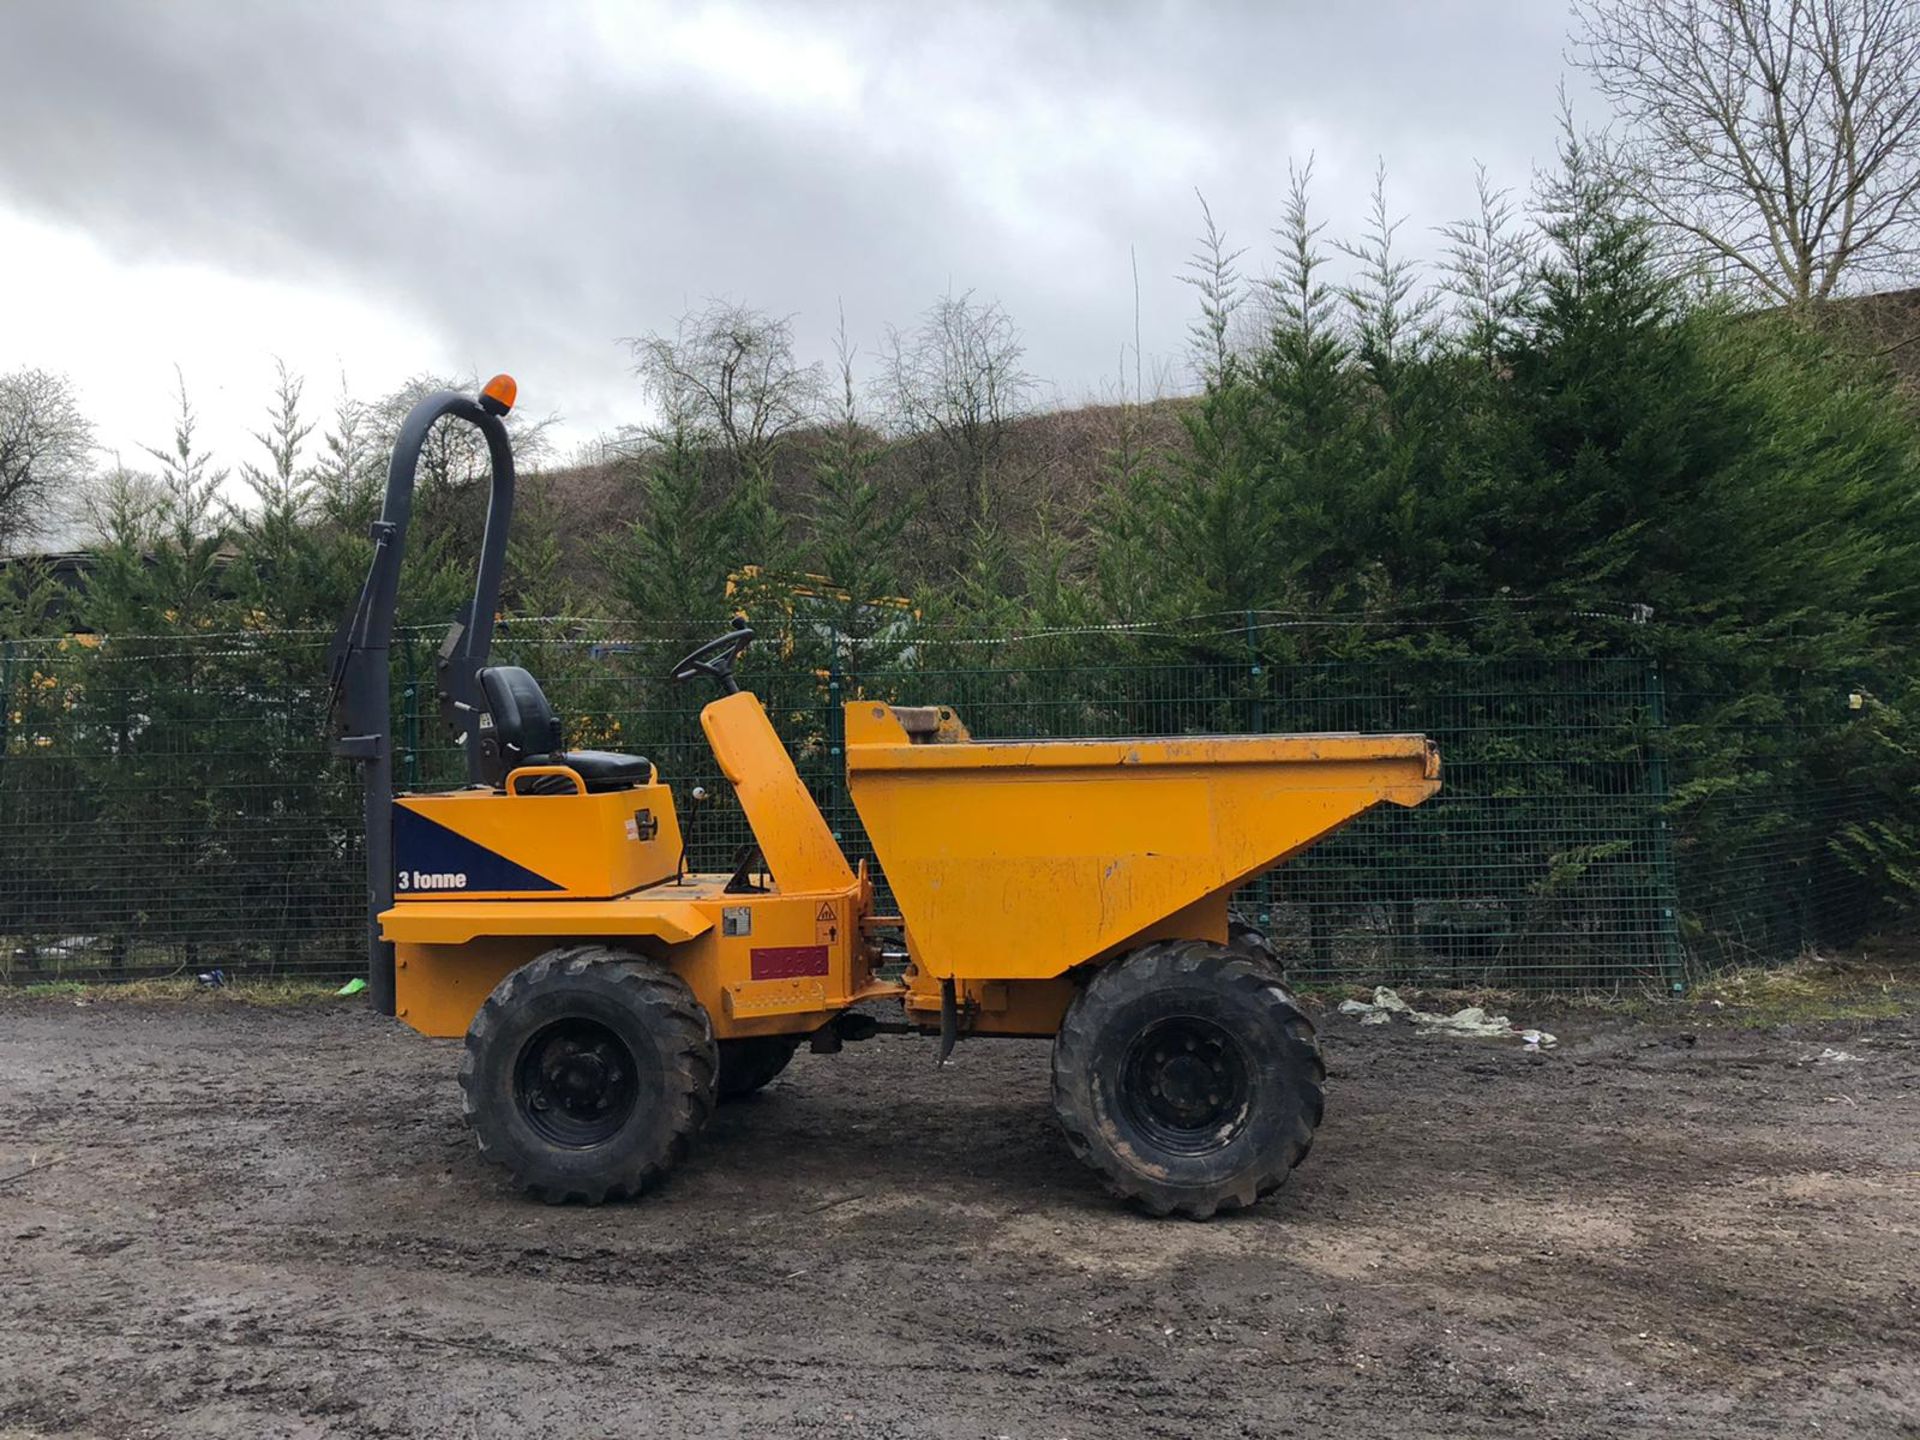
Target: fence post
{"x": 836, "y": 733}
{"x": 410, "y": 720}
{"x": 6, "y": 694}
{"x": 1806, "y": 917}
{"x": 1262, "y": 889}
{"x": 6, "y": 707}
{"x": 1666, "y": 897}
{"x": 1256, "y": 708}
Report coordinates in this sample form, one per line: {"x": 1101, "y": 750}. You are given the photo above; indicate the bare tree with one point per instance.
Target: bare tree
{"x": 728, "y": 373}
{"x": 454, "y": 458}
{"x": 46, "y": 451}
{"x": 955, "y": 384}
{"x": 1779, "y": 139}
{"x": 123, "y": 507}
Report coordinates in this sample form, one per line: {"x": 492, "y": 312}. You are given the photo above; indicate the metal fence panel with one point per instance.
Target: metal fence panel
{"x": 170, "y": 806}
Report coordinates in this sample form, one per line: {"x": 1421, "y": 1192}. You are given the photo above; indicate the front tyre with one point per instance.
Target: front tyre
{"x": 1188, "y": 1077}
{"x": 587, "y": 1073}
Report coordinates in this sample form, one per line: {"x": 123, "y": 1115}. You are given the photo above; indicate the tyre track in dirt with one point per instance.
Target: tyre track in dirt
{"x": 271, "y": 1222}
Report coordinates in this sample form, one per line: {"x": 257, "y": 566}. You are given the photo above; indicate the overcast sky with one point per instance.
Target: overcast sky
{"x": 469, "y": 187}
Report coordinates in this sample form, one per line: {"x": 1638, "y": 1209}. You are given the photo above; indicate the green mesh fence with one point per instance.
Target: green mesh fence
{"x": 170, "y": 806}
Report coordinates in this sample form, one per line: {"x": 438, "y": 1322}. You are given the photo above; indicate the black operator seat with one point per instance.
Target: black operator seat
{"x": 528, "y": 733}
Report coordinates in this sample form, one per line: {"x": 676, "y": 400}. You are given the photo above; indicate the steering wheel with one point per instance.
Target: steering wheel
{"x": 715, "y": 659}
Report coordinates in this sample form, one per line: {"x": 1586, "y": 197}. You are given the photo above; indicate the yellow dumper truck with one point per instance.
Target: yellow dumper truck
{"x": 1072, "y": 889}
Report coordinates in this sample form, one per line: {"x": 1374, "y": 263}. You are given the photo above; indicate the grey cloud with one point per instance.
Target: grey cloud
{"x": 482, "y": 166}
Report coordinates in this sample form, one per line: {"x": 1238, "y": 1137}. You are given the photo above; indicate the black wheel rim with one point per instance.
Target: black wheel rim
{"x": 1186, "y": 1084}
{"x": 576, "y": 1083}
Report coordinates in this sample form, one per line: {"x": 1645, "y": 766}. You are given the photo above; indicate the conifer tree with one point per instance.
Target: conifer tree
{"x": 856, "y": 521}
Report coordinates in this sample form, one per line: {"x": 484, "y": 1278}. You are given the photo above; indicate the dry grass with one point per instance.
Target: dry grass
{"x": 1878, "y": 983}
{"x": 180, "y": 990}
{"x": 1879, "y": 980}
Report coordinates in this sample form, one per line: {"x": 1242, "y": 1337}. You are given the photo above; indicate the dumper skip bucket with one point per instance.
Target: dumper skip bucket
{"x": 1022, "y": 859}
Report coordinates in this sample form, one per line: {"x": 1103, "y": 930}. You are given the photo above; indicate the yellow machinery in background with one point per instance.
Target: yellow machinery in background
{"x": 1072, "y": 889}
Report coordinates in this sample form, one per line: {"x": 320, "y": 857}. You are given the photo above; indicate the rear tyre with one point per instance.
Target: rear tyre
{"x": 750, "y": 1064}
{"x": 587, "y": 1073}
{"x": 1188, "y": 1078}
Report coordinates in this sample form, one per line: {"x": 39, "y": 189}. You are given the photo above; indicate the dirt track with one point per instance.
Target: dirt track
{"x": 269, "y": 1222}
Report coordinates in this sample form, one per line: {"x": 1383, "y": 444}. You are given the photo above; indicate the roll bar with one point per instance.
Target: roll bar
{"x": 360, "y": 704}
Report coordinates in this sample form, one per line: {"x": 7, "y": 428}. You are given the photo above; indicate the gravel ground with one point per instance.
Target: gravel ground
{"x": 221, "y": 1220}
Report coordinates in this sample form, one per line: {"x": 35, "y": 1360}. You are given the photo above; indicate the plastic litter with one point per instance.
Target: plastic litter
{"x": 352, "y": 987}
{"x": 1383, "y": 1007}
{"x": 213, "y": 979}
{"x": 1473, "y": 1021}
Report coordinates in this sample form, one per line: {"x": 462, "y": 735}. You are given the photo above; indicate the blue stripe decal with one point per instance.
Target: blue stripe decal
{"x": 431, "y": 859}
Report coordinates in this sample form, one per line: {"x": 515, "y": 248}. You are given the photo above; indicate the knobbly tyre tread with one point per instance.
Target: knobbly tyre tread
{"x": 749, "y": 1065}
{"x": 1254, "y": 943}
{"x": 1080, "y": 1041}
{"x": 652, "y": 991}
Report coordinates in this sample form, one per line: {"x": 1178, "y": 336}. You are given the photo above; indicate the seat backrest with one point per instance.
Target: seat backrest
{"x": 793, "y": 835}
{"x": 524, "y": 725}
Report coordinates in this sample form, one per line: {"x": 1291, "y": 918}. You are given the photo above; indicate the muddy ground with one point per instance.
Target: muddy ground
{"x": 255, "y": 1222}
